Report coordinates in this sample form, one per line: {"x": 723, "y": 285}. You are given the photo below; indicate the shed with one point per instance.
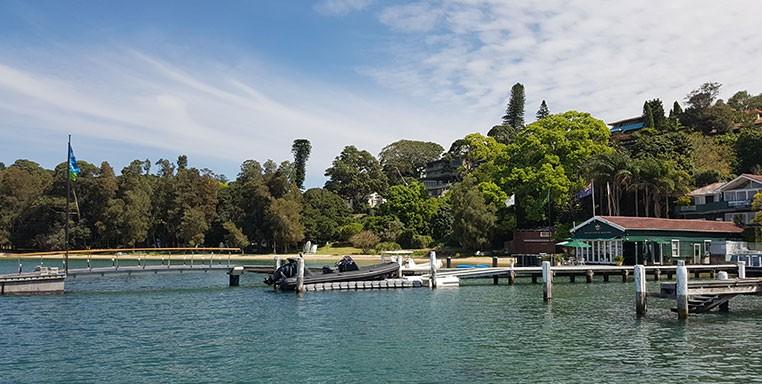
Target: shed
{"x": 651, "y": 240}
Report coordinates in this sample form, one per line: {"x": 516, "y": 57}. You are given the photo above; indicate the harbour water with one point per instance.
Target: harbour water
{"x": 193, "y": 328}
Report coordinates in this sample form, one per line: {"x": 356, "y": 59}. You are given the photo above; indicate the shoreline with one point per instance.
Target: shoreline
{"x": 270, "y": 258}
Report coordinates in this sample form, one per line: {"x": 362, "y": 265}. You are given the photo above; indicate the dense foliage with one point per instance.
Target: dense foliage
{"x": 517, "y": 176}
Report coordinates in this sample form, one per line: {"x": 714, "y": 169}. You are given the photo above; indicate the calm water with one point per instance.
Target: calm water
{"x": 191, "y": 328}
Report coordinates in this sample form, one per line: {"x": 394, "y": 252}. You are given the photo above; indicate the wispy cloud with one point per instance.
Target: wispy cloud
{"x": 132, "y": 97}
{"x": 602, "y": 57}
{"x": 340, "y": 7}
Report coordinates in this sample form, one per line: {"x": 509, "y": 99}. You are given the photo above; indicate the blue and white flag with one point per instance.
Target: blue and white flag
{"x": 585, "y": 192}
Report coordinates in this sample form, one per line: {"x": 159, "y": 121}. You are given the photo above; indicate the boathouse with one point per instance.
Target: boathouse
{"x": 651, "y": 240}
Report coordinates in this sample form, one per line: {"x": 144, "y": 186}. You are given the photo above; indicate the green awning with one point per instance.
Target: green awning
{"x": 574, "y": 244}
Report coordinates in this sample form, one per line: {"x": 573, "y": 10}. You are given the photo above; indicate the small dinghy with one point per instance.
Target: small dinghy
{"x": 284, "y": 278}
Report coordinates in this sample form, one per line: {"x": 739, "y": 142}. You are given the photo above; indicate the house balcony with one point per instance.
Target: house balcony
{"x": 713, "y": 207}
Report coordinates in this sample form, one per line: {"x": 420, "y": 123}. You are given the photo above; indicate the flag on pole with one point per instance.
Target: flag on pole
{"x": 511, "y": 201}
{"x": 585, "y": 192}
{"x": 73, "y": 168}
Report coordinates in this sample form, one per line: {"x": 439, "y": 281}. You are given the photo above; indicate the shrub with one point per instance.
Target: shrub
{"x": 421, "y": 241}
{"x": 387, "y": 246}
{"x": 364, "y": 240}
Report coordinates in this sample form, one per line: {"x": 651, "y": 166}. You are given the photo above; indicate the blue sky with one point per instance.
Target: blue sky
{"x": 228, "y": 81}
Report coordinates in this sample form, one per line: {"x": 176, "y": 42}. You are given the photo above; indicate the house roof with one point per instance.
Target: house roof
{"x": 630, "y": 120}
{"x": 707, "y": 189}
{"x": 658, "y": 224}
{"x": 746, "y": 176}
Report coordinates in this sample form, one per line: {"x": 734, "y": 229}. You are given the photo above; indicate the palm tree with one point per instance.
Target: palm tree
{"x": 615, "y": 170}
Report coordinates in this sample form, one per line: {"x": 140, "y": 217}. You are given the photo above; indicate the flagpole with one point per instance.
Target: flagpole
{"x": 592, "y": 184}
{"x": 68, "y": 198}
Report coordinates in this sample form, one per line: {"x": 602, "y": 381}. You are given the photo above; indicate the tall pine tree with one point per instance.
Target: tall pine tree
{"x": 514, "y": 112}
{"x": 676, "y": 110}
{"x": 648, "y": 116}
{"x": 543, "y": 112}
{"x": 301, "y": 150}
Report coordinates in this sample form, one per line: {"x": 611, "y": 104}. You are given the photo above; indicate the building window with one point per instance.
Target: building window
{"x": 675, "y": 248}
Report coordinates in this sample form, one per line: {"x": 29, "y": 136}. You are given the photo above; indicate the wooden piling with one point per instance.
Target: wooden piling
{"x": 625, "y": 274}
{"x": 547, "y": 278}
{"x": 534, "y": 279}
{"x": 697, "y": 274}
{"x": 277, "y": 262}
{"x": 669, "y": 275}
{"x": 399, "y": 263}
{"x": 589, "y": 276}
{"x": 449, "y": 262}
{"x": 511, "y": 276}
{"x": 494, "y": 265}
{"x": 433, "y": 270}
{"x": 657, "y": 274}
{"x": 682, "y": 290}
{"x": 606, "y": 277}
{"x": 640, "y": 290}
{"x": 572, "y": 278}
{"x": 300, "y": 274}
{"x": 741, "y": 269}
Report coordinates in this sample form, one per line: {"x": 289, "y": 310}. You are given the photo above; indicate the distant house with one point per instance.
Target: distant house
{"x": 374, "y": 200}
{"x": 651, "y": 240}
{"x": 439, "y": 175}
{"x": 622, "y": 130}
{"x": 724, "y": 201}
{"x": 757, "y": 114}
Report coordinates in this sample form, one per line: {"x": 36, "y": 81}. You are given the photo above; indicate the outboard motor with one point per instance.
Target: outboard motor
{"x": 346, "y": 264}
{"x": 284, "y": 272}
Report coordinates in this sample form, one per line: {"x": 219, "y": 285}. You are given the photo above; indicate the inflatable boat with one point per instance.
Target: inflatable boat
{"x": 284, "y": 278}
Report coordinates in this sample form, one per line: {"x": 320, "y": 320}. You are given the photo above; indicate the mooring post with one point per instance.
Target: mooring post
{"x": 741, "y": 269}
{"x": 534, "y": 279}
{"x": 681, "y": 289}
{"x": 89, "y": 267}
{"x": 449, "y": 262}
{"x": 625, "y": 274}
{"x": 494, "y": 265}
{"x": 277, "y": 262}
{"x": 20, "y": 268}
{"x": 234, "y": 276}
{"x": 113, "y": 263}
{"x": 572, "y": 278}
{"x": 432, "y": 269}
{"x": 722, "y": 275}
{"x": 697, "y": 274}
{"x": 547, "y": 278}
{"x": 589, "y": 276}
{"x": 657, "y": 274}
{"x": 300, "y": 274}
{"x": 606, "y": 277}
{"x": 399, "y": 263}
{"x": 511, "y": 276}
{"x": 640, "y": 290}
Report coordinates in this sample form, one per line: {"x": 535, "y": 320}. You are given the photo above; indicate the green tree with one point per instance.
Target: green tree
{"x": 656, "y": 108}
{"x": 473, "y": 218}
{"x": 323, "y": 213}
{"x": 514, "y": 112}
{"x": 285, "y": 222}
{"x": 411, "y": 204}
{"x": 749, "y": 150}
{"x": 301, "y": 150}
{"x": 354, "y": 175}
{"x": 543, "y": 112}
{"x": 546, "y": 164}
{"x": 648, "y": 116}
{"x": 406, "y": 159}
{"x": 502, "y": 133}
{"x": 235, "y": 237}
{"x": 676, "y": 110}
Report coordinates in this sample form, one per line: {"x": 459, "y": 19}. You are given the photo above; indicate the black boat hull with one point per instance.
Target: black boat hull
{"x": 373, "y": 272}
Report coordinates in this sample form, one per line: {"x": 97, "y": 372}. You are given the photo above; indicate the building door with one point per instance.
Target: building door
{"x": 696, "y": 253}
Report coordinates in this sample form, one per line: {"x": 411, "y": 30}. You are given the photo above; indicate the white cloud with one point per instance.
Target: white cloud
{"x": 601, "y": 57}
{"x": 231, "y": 114}
{"x": 340, "y": 7}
